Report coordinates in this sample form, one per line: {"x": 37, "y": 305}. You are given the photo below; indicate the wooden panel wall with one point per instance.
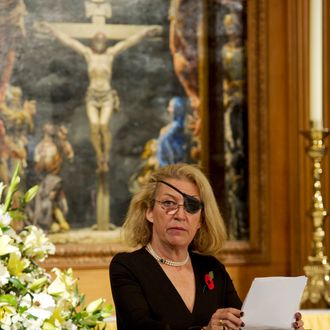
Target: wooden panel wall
{"x": 289, "y": 188}
{"x": 300, "y": 165}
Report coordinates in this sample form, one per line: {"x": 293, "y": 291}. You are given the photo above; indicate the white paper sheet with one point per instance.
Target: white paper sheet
{"x": 272, "y": 302}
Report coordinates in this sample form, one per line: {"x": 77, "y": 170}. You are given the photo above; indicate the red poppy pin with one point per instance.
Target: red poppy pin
{"x": 209, "y": 283}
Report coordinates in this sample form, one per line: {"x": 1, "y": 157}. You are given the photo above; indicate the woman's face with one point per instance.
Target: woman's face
{"x": 177, "y": 229}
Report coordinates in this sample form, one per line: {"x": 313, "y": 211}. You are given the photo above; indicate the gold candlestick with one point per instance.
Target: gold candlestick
{"x": 317, "y": 270}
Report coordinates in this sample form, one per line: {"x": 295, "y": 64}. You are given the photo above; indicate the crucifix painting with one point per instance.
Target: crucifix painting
{"x": 101, "y": 98}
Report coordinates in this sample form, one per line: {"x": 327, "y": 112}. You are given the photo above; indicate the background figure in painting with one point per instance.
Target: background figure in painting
{"x": 12, "y": 31}
{"x": 50, "y": 206}
{"x": 63, "y": 143}
{"x": 173, "y": 141}
{"x": 18, "y": 118}
{"x": 234, "y": 85}
{"x": 101, "y": 98}
{"x": 183, "y": 45}
{"x": 185, "y": 21}
{"x": 19, "y": 115}
{"x": 48, "y": 156}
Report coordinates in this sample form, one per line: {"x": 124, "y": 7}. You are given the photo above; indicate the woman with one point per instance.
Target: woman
{"x": 174, "y": 281}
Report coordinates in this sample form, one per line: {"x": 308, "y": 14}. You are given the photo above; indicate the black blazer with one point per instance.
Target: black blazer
{"x": 146, "y": 299}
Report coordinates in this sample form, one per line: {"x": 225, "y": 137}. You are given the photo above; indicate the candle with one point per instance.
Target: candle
{"x": 315, "y": 64}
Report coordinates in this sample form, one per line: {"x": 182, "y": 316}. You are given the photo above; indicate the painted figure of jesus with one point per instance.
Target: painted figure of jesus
{"x": 101, "y": 98}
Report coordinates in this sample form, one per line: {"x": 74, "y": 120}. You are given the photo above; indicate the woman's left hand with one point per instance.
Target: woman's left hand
{"x": 299, "y": 323}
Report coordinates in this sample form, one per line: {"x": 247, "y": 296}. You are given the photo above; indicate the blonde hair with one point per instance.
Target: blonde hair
{"x": 208, "y": 239}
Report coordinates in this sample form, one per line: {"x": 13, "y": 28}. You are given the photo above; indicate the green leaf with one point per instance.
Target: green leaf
{"x": 107, "y": 311}
{"x": 31, "y": 317}
{"x": 12, "y": 187}
{"x": 22, "y": 309}
{"x": 8, "y": 299}
{"x": 18, "y": 285}
{"x": 81, "y": 298}
{"x": 89, "y": 321}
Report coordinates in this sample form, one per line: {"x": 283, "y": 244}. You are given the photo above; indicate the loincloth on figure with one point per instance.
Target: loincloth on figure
{"x": 99, "y": 98}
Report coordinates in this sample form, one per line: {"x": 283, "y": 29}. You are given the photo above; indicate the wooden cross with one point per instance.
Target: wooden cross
{"x": 99, "y": 11}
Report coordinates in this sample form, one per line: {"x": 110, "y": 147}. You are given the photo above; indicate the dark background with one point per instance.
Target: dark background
{"x": 56, "y": 77}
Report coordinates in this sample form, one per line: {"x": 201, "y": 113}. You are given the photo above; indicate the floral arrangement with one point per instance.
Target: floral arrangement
{"x": 30, "y": 298}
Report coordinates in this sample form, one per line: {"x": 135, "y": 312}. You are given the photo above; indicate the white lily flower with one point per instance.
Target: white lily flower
{"x": 26, "y": 301}
{"x": 36, "y": 243}
{"x": 64, "y": 286}
{"x": 12, "y": 233}
{"x": 43, "y": 306}
{"x": 5, "y": 218}
{"x": 31, "y": 324}
{"x": 4, "y": 274}
{"x": 5, "y": 246}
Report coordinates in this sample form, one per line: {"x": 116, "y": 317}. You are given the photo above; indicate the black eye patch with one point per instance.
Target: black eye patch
{"x": 190, "y": 203}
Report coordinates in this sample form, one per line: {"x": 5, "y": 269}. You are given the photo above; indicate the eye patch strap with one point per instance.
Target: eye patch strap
{"x": 187, "y": 198}
{"x": 179, "y": 191}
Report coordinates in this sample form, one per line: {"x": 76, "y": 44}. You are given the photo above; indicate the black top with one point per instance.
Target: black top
{"x": 145, "y": 298}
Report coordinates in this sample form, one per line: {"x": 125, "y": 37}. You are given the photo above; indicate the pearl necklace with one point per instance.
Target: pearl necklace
{"x": 164, "y": 260}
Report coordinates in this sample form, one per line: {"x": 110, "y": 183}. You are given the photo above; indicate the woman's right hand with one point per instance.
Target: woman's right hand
{"x": 226, "y": 318}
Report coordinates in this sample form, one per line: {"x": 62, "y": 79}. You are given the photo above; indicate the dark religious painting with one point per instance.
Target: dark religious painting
{"x": 227, "y": 31}
{"x": 96, "y": 94}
